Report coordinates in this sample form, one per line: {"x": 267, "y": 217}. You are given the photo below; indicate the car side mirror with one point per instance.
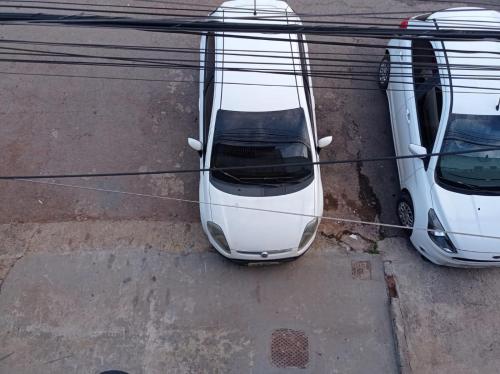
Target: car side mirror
{"x": 324, "y": 142}
{"x": 196, "y": 145}
{"x": 417, "y": 150}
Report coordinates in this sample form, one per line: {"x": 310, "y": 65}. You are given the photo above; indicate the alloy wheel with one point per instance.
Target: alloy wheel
{"x": 405, "y": 214}
{"x": 383, "y": 73}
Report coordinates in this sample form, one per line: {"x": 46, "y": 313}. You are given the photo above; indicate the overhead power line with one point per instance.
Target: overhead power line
{"x": 208, "y": 8}
{"x": 179, "y": 25}
{"x": 325, "y": 74}
{"x": 279, "y": 60}
{"x": 228, "y": 51}
{"x": 261, "y": 210}
{"x": 278, "y": 17}
{"x": 246, "y": 167}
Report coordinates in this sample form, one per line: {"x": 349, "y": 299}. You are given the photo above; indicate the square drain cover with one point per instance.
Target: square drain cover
{"x": 361, "y": 270}
{"x": 289, "y": 349}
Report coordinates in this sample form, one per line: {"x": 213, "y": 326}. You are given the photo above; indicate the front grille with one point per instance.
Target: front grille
{"x": 259, "y": 253}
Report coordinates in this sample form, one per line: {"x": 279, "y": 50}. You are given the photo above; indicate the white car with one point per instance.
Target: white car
{"x": 257, "y": 108}
{"x": 444, "y": 97}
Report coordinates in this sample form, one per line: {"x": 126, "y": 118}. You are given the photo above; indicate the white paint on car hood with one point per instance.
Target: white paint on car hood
{"x": 474, "y": 214}
{"x": 254, "y": 230}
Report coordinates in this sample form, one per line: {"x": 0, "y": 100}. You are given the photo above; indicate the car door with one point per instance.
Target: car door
{"x": 399, "y": 85}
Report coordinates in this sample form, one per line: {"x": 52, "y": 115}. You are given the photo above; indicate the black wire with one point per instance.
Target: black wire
{"x": 315, "y": 42}
{"x": 337, "y": 88}
{"x": 352, "y": 62}
{"x": 157, "y": 63}
{"x": 175, "y": 26}
{"x": 245, "y": 167}
{"x": 325, "y": 75}
{"x": 252, "y": 53}
{"x": 229, "y": 9}
{"x": 240, "y": 54}
{"x": 186, "y": 16}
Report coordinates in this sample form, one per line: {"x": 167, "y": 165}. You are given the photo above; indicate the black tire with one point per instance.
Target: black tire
{"x": 405, "y": 211}
{"x": 384, "y": 72}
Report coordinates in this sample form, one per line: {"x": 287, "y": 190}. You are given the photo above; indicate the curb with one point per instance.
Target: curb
{"x": 397, "y": 322}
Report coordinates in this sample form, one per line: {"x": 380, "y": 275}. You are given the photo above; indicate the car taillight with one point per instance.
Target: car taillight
{"x": 404, "y": 23}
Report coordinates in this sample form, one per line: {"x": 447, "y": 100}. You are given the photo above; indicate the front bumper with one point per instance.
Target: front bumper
{"x": 257, "y": 256}
{"x": 461, "y": 259}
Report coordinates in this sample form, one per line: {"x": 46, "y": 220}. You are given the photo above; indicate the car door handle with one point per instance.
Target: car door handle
{"x": 408, "y": 116}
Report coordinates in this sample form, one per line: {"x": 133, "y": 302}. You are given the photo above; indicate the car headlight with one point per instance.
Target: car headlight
{"x": 308, "y": 232}
{"x": 218, "y": 235}
{"x": 438, "y": 234}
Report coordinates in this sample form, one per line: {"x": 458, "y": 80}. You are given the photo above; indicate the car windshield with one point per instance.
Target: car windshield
{"x": 261, "y": 138}
{"x": 479, "y": 171}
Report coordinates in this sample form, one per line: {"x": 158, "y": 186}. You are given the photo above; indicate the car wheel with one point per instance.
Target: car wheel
{"x": 384, "y": 72}
{"x": 405, "y": 212}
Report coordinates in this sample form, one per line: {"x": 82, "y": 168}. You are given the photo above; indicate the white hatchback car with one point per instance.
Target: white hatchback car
{"x": 444, "y": 98}
{"x": 257, "y": 108}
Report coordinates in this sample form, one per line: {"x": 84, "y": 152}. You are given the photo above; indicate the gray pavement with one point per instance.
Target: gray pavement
{"x": 157, "y": 311}
{"x": 450, "y": 316}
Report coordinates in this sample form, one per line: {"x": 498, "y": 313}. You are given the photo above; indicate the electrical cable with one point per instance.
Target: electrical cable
{"x": 262, "y": 210}
{"x": 325, "y": 74}
{"x": 332, "y": 43}
{"x": 277, "y": 18}
{"x": 252, "y": 52}
{"x": 361, "y": 63}
{"x": 246, "y": 167}
{"x": 228, "y": 9}
{"x": 176, "y": 26}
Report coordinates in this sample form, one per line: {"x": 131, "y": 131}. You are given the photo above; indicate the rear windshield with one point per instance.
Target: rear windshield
{"x": 261, "y": 138}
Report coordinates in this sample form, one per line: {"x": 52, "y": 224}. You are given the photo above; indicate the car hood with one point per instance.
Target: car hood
{"x": 256, "y": 231}
{"x": 474, "y": 214}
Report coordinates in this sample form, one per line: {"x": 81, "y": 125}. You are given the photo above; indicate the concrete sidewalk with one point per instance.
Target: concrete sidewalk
{"x": 449, "y": 316}
{"x": 154, "y": 311}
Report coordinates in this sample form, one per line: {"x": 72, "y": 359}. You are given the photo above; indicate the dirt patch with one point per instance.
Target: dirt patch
{"x": 331, "y": 203}
{"x": 369, "y": 203}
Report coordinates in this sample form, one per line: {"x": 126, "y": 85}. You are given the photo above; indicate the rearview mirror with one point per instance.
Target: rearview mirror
{"x": 324, "y": 142}
{"x": 417, "y": 150}
{"x": 196, "y": 145}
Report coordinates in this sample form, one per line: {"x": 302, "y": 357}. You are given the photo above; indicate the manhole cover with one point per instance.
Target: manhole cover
{"x": 289, "y": 349}
{"x": 361, "y": 270}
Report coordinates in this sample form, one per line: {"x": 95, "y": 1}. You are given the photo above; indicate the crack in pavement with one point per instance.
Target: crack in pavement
{"x": 14, "y": 262}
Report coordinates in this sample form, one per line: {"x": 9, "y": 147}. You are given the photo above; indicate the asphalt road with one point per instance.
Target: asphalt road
{"x": 65, "y": 125}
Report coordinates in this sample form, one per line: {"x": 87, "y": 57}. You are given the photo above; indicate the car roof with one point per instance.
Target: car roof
{"x": 273, "y": 86}
{"x": 472, "y": 63}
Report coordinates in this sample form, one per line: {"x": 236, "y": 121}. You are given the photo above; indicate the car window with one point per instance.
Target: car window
{"x": 262, "y": 138}
{"x": 428, "y": 92}
{"x": 208, "y": 90}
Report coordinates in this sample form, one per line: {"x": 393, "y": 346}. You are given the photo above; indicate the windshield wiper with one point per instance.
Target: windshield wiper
{"x": 230, "y": 176}
{"x": 473, "y": 187}
{"x": 257, "y": 181}
{"x": 245, "y": 180}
